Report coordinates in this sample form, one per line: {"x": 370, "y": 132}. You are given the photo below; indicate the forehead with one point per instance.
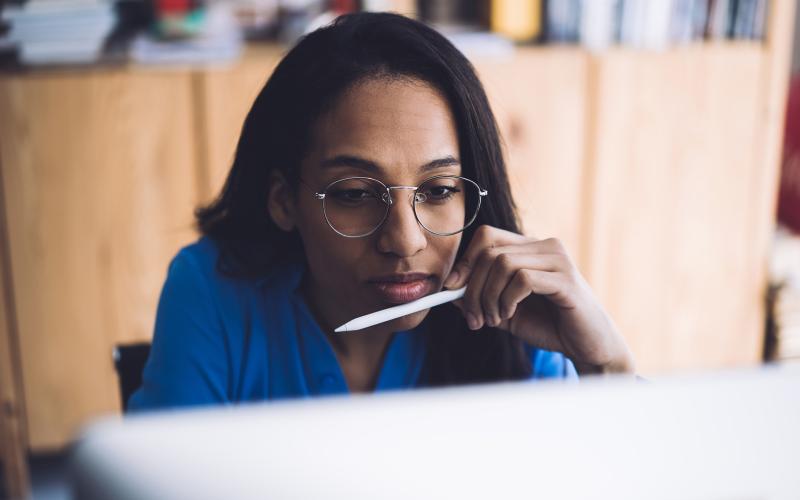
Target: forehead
{"x": 398, "y": 124}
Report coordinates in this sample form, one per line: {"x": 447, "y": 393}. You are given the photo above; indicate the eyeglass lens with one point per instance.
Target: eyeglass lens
{"x": 443, "y": 205}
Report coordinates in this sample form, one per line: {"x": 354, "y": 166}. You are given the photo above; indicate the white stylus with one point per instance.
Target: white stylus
{"x": 385, "y": 315}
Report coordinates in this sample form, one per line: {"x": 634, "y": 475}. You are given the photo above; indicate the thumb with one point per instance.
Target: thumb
{"x": 458, "y": 276}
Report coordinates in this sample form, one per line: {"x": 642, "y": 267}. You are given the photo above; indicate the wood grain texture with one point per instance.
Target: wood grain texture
{"x": 670, "y": 236}
{"x": 769, "y": 142}
{"x": 99, "y": 190}
{"x": 539, "y": 100}
{"x": 13, "y": 441}
{"x": 223, "y": 97}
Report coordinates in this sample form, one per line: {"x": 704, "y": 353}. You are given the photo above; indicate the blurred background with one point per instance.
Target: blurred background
{"x": 651, "y": 136}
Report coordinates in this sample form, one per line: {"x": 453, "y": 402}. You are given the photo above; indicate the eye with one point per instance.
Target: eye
{"x": 440, "y": 192}
{"x": 352, "y": 197}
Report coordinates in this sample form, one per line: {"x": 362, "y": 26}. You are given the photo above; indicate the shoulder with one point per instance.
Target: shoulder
{"x": 199, "y": 257}
{"x": 549, "y": 364}
{"x": 201, "y": 260}
{"x": 193, "y": 281}
{"x": 194, "y": 285}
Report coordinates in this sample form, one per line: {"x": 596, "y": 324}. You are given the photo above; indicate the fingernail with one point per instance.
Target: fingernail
{"x": 451, "y": 280}
{"x": 472, "y": 321}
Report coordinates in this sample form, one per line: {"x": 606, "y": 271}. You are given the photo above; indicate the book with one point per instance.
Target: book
{"x": 680, "y": 24}
{"x": 60, "y": 31}
{"x": 760, "y": 19}
{"x": 631, "y": 22}
{"x": 519, "y": 20}
{"x": 562, "y": 21}
{"x": 719, "y": 17}
{"x": 219, "y": 40}
{"x": 598, "y": 24}
{"x": 654, "y": 31}
{"x": 784, "y": 297}
{"x": 699, "y": 19}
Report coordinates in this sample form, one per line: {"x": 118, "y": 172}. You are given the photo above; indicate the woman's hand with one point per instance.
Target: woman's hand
{"x": 532, "y": 289}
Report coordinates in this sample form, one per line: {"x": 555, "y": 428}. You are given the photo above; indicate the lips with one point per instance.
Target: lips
{"x": 402, "y": 288}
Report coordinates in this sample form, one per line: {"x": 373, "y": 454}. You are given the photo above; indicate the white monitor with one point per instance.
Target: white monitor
{"x": 711, "y": 437}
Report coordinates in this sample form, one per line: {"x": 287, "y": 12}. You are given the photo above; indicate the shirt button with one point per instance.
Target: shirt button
{"x": 328, "y": 379}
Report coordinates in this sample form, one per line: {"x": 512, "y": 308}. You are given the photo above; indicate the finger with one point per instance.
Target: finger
{"x": 484, "y": 237}
{"x": 528, "y": 281}
{"x": 459, "y": 304}
{"x": 552, "y": 245}
{"x": 503, "y": 270}
{"x": 541, "y": 314}
{"x": 488, "y": 236}
{"x": 541, "y": 324}
{"x": 477, "y": 279}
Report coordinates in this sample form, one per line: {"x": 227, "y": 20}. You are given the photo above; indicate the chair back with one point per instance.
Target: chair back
{"x": 129, "y": 361}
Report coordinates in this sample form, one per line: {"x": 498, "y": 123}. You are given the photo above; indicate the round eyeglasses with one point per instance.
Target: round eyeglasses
{"x": 357, "y": 206}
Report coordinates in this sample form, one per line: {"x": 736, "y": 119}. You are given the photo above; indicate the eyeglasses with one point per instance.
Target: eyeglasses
{"x": 444, "y": 205}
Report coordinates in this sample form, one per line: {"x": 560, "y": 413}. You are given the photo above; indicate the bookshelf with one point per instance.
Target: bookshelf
{"x": 657, "y": 169}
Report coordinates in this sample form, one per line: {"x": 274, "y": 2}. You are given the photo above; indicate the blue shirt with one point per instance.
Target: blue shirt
{"x": 220, "y": 340}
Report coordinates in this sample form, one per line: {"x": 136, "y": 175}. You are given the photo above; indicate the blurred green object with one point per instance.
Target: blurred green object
{"x": 180, "y": 25}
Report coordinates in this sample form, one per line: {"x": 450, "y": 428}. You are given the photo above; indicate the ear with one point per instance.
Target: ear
{"x": 280, "y": 202}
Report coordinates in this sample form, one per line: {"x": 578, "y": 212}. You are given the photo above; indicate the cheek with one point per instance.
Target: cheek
{"x": 330, "y": 256}
{"x": 448, "y": 249}
{"x": 311, "y": 224}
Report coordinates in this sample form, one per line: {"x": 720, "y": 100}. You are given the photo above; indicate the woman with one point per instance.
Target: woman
{"x": 368, "y": 173}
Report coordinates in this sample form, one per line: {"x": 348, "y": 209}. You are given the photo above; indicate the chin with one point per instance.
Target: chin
{"x": 407, "y": 322}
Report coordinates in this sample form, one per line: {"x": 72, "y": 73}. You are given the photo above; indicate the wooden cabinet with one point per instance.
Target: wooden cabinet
{"x": 658, "y": 170}
{"x": 12, "y": 416}
{"x": 99, "y": 186}
{"x": 541, "y": 105}
{"x": 224, "y": 96}
{"x": 683, "y": 163}
{"x": 674, "y": 198}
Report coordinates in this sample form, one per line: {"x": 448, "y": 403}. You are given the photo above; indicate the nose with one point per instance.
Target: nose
{"x": 400, "y": 233}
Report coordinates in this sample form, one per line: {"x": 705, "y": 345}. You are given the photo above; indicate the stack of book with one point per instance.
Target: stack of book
{"x": 783, "y": 342}
{"x": 645, "y": 24}
{"x": 216, "y": 37}
{"x": 60, "y": 31}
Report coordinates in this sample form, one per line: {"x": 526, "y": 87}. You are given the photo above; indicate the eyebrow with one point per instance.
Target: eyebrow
{"x": 374, "y": 168}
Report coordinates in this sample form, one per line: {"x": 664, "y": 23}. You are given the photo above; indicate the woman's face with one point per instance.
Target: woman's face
{"x": 400, "y": 132}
